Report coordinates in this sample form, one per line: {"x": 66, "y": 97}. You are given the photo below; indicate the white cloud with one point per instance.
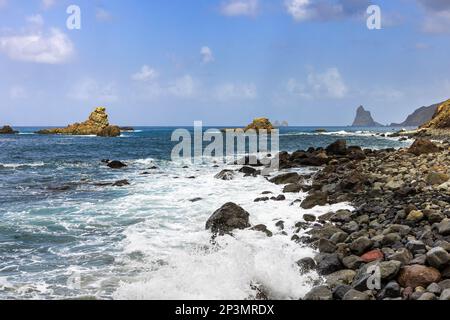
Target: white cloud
{"x": 102, "y": 15}
{"x": 48, "y": 3}
{"x": 36, "y": 20}
{"x": 232, "y": 91}
{"x": 299, "y": 9}
{"x": 327, "y": 84}
{"x": 240, "y": 8}
{"x": 54, "y": 47}
{"x": 17, "y": 92}
{"x": 183, "y": 87}
{"x": 207, "y": 55}
{"x": 93, "y": 91}
{"x": 145, "y": 74}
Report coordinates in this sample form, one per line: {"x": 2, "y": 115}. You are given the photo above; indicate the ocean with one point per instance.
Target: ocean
{"x": 65, "y": 233}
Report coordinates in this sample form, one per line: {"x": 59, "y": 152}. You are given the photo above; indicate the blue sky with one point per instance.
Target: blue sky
{"x": 170, "y": 62}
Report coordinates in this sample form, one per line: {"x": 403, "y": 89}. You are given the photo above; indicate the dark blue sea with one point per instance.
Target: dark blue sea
{"x": 66, "y": 232}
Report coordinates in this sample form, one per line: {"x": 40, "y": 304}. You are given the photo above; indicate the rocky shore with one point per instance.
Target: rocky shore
{"x": 7, "y": 130}
{"x": 393, "y": 246}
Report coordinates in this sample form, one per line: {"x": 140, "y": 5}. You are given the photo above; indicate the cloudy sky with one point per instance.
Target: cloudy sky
{"x": 170, "y": 62}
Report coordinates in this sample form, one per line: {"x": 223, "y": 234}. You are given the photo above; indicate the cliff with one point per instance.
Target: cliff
{"x": 97, "y": 124}
{"x": 418, "y": 117}
{"x": 441, "y": 117}
{"x": 364, "y": 119}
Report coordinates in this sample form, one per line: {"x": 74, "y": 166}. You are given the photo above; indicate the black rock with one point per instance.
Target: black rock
{"x": 116, "y": 164}
{"x": 286, "y": 178}
{"x": 328, "y": 263}
{"x": 306, "y": 265}
{"x": 340, "y": 291}
{"x": 337, "y": 148}
{"x": 229, "y": 217}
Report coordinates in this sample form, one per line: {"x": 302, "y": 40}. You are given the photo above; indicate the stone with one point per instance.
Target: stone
{"x": 309, "y": 217}
{"x": 361, "y": 245}
{"x": 437, "y": 257}
{"x": 415, "y": 246}
{"x": 353, "y": 294}
{"x": 281, "y": 197}
{"x": 326, "y": 246}
{"x": 444, "y": 284}
{"x": 427, "y": 296}
{"x": 313, "y": 199}
{"x": 286, "y": 178}
{"x": 350, "y": 227}
{"x": 343, "y": 216}
{"x": 228, "y": 218}
{"x": 389, "y": 269}
{"x": 319, "y": 293}
{"x": 262, "y": 228}
{"x": 444, "y": 227}
{"x": 292, "y": 188}
{"x": 340, "y": 291}
{"x": 248, "y": 171}
{"x": 225, "y": 175}
{"x": 391, "y": 238}
{"x": 339, "y": 237}
{"x": 262, "y": 199}
{"x": 415, "y": 215}
{"x": 423, "y": 146}
{"x": 116, "y": 164}
{"x": 403, "y": 255}
{"x": 352, "y": 262}
{"x": 437, "y": 178}
{"x": 260, "y": 124}
{"x": 97, "y": 124}
{"x": 418, "y": 275}
{"x": 391, "y": 290}
{"x": 337, "y": 148}
{"x": 121, "y": 183}
{"x": 306, "y": 264}
{"x": 328, "y": 263}
{"x": 373, "y": 255}
{"x": 340, "y": 277}
{"x": 445, "y": 295}
{"x": 434, "y": 288}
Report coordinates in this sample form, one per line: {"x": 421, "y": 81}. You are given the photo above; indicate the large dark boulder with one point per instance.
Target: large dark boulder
{"x": 337, "y": 148}
{"x": 316, "y": 198}
{"x": 116, "y": 164}
{"x": 228, "y": 218}
{"x": 109, "y": 131}
{"x": 286, "y": 178}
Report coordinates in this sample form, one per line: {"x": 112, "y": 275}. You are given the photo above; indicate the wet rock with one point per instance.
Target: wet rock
{"x": 319, "y": 293}
{"x": 286, "y": 178}
{"x": 339, "y": 237}
{"x": 309, "y": 217}
{"x": 352, "y": 262}
{"x": 116, "y": 164}
{"x": 228, "y": 218}
{"x": 262, "y": 228}
{"x": 306, "y": 264}
{"x": 391, "y": 290}
{"x": 423, "y": 146}
{"x": 340, "y": 291}
{"x": 418, "y": 275}
{"x": 328, "y": 263}
{"x": 278, "y": 198}
{"x": 343, "y": 216}
{"x": 340, "y": 277}
{"x": 316, "y": 198}
{"x": 109, "y": 131}
{"x": 121, "y": 183}
{"x": 292, "y": 188}
{"x": 350, "y": 227}
{"x": 437, "y": 257}
{"x": 326, "y": 246}
{"x": 262, "y": 199}
{"x": 195, "y": 199}
{"x": 225, "y": 175}
{"x": 248, "y": 171}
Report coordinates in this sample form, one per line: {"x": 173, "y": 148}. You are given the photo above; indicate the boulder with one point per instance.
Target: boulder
{"x": 423, "y": 146}
{"x": 437, "y": 178}
{"x": 337, "y": 148}
{"x": 438, "y": 257}
{"x": 361, "y": 245}
{"x": 340, "y": 277}
{"x": 286, "y": 178}
{"x": 373, "y": 255}
{"x": 353, "y": 294}
{"x": 7, "y": 130}
{"x": 228, "y": 218}
{"x": 97, "y": 124}
{"x": 248, "y": 171}
{"x": 306, "y": 264}
{"x": 316, "y": 198}
{"x": 225, "y": 175}
{"x": 319, "y": 293}
{"x": 328, "y": 263}
{"x": 260, "y": 124}
{"x": 418, "y": 275}
{"x": 116, "y": 164}
{"x": 262, "y": 228}
{"x": 444, "y": 227}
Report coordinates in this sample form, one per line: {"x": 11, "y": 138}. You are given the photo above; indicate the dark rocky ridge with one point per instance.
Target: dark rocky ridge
{"x": 7, "y": 130}
{"x": 364, "y": 119}
{"x": 418, "y": 117}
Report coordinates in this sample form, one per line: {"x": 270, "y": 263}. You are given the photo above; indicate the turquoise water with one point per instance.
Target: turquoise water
{"x": 138, "y": 241}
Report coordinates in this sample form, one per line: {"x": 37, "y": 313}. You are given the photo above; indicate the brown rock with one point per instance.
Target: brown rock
{"x": 373, "y": 255}
{"x": 423, "y": 146}
{"x": 417, "y": 275}
{"x": 441, "y": 118}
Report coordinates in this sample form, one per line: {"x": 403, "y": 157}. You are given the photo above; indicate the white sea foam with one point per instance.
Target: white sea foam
{"x": 21, "y": 165}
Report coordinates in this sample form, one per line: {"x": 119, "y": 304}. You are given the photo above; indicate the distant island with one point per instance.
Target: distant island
{"x": 364, "y": 119}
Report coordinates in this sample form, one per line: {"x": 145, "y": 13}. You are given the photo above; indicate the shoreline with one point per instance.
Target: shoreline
{"x": 394, "y": 245}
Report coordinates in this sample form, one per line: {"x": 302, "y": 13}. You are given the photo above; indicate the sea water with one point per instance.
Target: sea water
{"x": 65, "y": 235}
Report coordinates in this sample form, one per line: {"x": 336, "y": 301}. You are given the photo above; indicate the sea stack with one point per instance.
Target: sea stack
{"x": 364, "y": 119}
{"x": 260, "y": 124}
{"x": 97, "y": 124}
{"x": 7, "y": 130}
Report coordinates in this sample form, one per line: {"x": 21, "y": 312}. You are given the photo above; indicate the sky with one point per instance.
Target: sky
{"x": 224, "y": 62}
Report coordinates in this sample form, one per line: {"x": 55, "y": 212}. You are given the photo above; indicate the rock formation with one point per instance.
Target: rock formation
{"x": 97, "y": 124}
{"x": 418, "y": 117}
{"x": 364, "y": 119}
{"x": 7, "y": 130}
{"x": 260, "y": 124}
{"x": 441, "y": 118}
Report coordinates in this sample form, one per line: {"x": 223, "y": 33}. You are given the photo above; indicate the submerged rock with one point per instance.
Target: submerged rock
{"x": 116, "y": 164}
